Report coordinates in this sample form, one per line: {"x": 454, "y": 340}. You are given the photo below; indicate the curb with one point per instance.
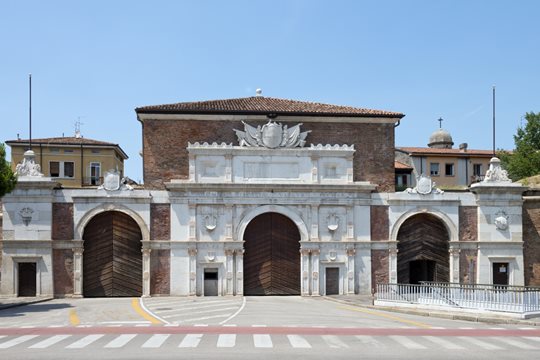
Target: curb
{"x": 22, "y": 303}
{"x": 441, "y": 315}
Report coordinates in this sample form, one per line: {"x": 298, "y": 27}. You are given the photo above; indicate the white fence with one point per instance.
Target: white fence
{"x": 509, "y": 299}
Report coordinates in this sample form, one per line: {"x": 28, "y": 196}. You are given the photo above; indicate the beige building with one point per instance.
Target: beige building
{"x": 449, "y": 167}
{"x": 72, "y": 161}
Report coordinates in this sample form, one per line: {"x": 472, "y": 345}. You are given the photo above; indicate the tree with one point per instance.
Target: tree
{"x": 8, "y": 179}
{"x": 524, "y": 161}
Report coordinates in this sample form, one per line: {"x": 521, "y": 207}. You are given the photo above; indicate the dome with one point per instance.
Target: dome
{"x": 441, "y": 139}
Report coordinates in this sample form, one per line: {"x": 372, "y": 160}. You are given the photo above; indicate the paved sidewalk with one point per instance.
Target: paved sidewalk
{"x": 9, "y": 302}
{"x": 366, "y": 301}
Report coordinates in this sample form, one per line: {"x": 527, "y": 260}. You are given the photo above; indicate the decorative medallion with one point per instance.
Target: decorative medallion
{"x": 501, "y": 220}
{"x": 333, "y": 222}
{"x": 333, "y": 255}
{"x": 272, "y": 135}
{"x": 211, "y": 256}
{"x": 113, "y": 182}
{"x": 26, "y": 215}
{"x": 210, "y": 222}
{"x": 424, "y": 186}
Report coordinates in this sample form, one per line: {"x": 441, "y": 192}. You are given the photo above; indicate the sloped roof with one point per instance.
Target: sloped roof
{"x": 445, "y": 152}
{"x": 402, "y": 166}
{"x": 69, "y": 141}
{"x": 265, "y": 105}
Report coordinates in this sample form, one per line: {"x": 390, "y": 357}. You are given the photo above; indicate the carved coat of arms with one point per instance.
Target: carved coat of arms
{"x": 111, "y": 181}
{"x": 272, "y": 135}
{"x": 424, "y": 186}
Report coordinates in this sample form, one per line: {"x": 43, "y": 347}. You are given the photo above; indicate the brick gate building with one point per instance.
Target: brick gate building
{"x": 262, "y": 196}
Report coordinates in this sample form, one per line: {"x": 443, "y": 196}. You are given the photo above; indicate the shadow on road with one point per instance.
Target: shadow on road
{"x": 31, "y": 308}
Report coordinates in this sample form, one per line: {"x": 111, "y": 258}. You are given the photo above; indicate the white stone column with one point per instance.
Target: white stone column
{"x": 239, "y": 271}
{"x": 192, "y": 222}
{"x": 229, "y": 220}
{"x": 146, "y": 271}
{"x": 314, "y": 222}
{"x": 315, "y": 258}
{"x": 192, "y": 271}
{"x": 454, "y": 265}
{"x": 304, "y": 266}
{"x": 229, "y": 271}
{"x": 392, "y": 265}
{"x": 78, "y": 272}
{"x": 351, "y": 252}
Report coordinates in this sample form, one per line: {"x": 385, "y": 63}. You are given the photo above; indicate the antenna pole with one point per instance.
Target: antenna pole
{"x": 493, "y": 120}
{"x": 30, "y": 110}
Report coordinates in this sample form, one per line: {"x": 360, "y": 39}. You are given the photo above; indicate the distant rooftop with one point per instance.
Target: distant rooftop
{"x": 262, "y": 105}
{"x": 437, "y": 151}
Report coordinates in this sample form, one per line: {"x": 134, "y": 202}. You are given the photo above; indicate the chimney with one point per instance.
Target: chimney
{"x": 463, "y": 147}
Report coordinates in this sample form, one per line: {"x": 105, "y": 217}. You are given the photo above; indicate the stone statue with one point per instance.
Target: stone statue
{"x": 28, "y": 166}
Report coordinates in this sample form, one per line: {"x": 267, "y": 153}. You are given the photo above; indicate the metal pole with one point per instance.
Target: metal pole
{"x": 493, "y": 120}
{"x": 30, "y": 110}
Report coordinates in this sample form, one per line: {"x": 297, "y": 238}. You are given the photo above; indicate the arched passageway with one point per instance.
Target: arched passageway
{"x": 272, "y": 256}
{"x": 112, "y": 258}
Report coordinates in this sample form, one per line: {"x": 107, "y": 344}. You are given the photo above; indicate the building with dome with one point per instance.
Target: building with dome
{"x": 449, "y": 167}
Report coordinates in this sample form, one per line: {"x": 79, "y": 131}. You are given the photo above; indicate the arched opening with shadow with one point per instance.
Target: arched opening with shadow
{"x": 272, "y": 256}
{"x": 423, "y": 250}
{"x": 112, "y": 258}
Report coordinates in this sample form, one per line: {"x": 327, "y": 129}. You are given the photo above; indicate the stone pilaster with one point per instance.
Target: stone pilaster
{"x": 315, "y": 259}
{"x": 192, "y": 270}
{"x": 454, "y": 264}
{"x": 239, "y": 271}
{"x": 351, "y": 252}
{"x": 229, "y": 271}
{"x": 146, "y": 271}
{"x": 77, "y": 271}
{"x": 392, "y": 263}
{"x": 305, "y": 257}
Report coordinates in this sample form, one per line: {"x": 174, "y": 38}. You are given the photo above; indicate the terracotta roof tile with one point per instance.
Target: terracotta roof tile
{"x": 435, "y": 151}
{"x": 400, "y": 165}
{"x": 265, "y": 105}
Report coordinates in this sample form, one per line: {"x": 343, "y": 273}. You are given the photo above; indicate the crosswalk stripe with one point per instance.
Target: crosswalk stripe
{"x": 406, "y": 342}
{"x": 156, "y": 341}
{"x": 191, "y": 341}
{"x": 262, "y": 341}
{"x": 444, "y": 343}
{"x": 120, "y": 341}
{"x": 484, "y": 345}
{"x": 532, "y": 338}
{"x": 516, "y": 343}
{"x": 369, "y": 341}
{"x": 298, "y": 341}
{"x": 48, "y": 342}
{"x": 226, "y": 340}
{"x": 334, "y": 342}
{"x": 85, "y": 341}
{"x": 16, "y": 341}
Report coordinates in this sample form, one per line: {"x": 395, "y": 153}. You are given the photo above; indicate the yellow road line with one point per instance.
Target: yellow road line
{"x": 388, "y": 316}
{"x": 73, "y": 318}
{"x": 144, "y": 314}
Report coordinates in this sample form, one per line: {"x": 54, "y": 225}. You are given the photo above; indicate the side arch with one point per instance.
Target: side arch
{"x": 451, "y": 228}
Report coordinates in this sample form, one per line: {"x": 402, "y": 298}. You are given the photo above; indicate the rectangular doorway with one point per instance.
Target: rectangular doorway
{"x": 27, "y": 279}
{"x": 421, "y": 270}
{"x": 332, "y": 281}
{"x": 211, "y": 282}
{"x": 500, "y": 273}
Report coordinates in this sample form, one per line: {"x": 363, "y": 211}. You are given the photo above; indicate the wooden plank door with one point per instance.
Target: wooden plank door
{"x": 272, "y": 256}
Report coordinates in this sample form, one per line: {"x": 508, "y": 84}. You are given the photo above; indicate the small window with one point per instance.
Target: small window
{"x": 69, "y": 169}
{"x": 68, "y": 150}
{"x": 434, "y": 169}
{"x": 64, "y": 169}
{"x": 94, "y": 151}
{"x": 477, "y": 169}
{"x": 55, "y": 150}
{"x": 449, "y": 169}
{"x": 54, "y": 169}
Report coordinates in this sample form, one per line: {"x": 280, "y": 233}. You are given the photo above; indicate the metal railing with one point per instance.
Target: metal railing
{"x": 513, "y": 299}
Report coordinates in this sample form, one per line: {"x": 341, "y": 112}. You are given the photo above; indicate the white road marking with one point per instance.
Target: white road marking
{"x": 444, "y": 343}
{"x": 484, "y": 345}
{"x": 532, "y": 338}
{"x": 334, "y": 342}
{"x": 48, "y": 342}
{"x": 120, "y": 341}
{"x": 258, "y": 326}
{"x": 230, "y": 325}
{"x": 369, "y": 340}
{"x": 141, "y": 304}
{"x": 206, "y": 318}
{"x": 191, "y": 341}
{"x": 125, "y": 322}
{"x": 236, "y": 313}
{"x": 516, "y": 343}
{"x": 406, "y": 342}
{"x": 156, "y": 341}
{"x": 200, "y": 325}
{"x": 85, "y": 341}
{"x": 184, "y": 309}
{"x": 262, "y": 341}
{"x": 16, "y": 341}
{"x": 201, "y": 312}
{"x": 226, "y": 340}
{"x": 298, "y": 342}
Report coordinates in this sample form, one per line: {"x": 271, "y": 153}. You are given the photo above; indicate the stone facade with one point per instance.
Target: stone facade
{"x": 531, "y": 239}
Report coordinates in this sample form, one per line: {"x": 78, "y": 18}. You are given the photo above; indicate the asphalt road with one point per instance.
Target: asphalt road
{"x": 262, "y": 327}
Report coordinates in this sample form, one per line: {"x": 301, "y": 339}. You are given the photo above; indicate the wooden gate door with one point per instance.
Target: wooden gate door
{"x": 272, "y": 256}
{"x": 112, "y": 260}
{"x": 332, "y": 281}
{"x": 27, "y": 279}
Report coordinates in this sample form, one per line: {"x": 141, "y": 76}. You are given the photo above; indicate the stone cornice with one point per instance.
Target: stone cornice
{"x": 184, "y": 186}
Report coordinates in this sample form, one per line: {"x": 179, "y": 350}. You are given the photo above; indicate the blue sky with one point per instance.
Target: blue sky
{"x": 98, "y": 60}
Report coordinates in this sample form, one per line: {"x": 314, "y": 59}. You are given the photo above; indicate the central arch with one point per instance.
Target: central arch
{"x": 272, "y": 256}
{"x": 423, "y": 242}
{"x": 112, "y": 261}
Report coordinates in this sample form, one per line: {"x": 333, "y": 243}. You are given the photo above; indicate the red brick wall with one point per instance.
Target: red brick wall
{"x": 379, "y": 223}
{"x": 166, "y": 157}
{"x": 63, "y": 272}
{"x": 62, "y": 221}
{"x": 160, "y": 272}
{"x": 468, "y": 223}
{"x": 379, "y": 268}
{"x": 531, "y": 242}
{"x": 160, "y": 222}
{"x": 467, "y": 266}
